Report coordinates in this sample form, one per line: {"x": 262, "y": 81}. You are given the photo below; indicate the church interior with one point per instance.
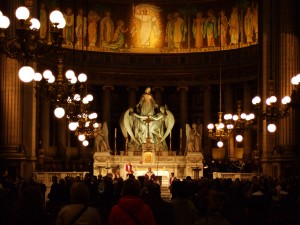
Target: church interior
{"x": 167, "y": 85}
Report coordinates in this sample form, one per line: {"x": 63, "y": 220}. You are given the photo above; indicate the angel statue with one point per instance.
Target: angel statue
{"x": 101, "y": 138}
{"x": 148, "y": 123}
{"x": 194, "y": 137}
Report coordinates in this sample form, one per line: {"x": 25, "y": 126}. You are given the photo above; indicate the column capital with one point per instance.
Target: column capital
{"x": 106, "y": 87}
{"x": 132, "y": 88}
{"x": 157, "y": 88}
{"x": 185, "y": 88}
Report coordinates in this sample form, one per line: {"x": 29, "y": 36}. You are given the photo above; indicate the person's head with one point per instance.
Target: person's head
{"x": 148, "y": 90}
{"x": 79, "y": 193}
{"x": 149, "y": 169}
{"x": 131, "y": 187}
{"x": 172, "y": 174}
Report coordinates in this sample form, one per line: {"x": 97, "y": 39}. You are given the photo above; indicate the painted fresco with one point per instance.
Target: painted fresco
{"x": 155, "y": 28}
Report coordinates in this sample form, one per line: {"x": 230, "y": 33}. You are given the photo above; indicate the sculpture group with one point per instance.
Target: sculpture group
{"x": 147, "y": 125}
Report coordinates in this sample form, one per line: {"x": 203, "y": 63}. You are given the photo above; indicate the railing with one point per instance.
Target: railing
{"x": 233, "y": 176}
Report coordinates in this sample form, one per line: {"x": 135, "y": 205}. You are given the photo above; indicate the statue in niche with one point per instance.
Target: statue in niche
{"x": 148, "y": 123}
{"x": 194, "y": 137}
{"x": 101, "y": 138}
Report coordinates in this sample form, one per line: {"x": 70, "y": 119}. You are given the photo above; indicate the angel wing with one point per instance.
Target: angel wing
{"x": 105, "y": 134}
{"x": 122, "y": 125}
{"x": 169, "y": 123}
{"x": 128, "y": 121}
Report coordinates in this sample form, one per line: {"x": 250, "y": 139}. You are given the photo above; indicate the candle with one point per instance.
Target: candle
{"x": 180, "y": 132}
{"x": 171, "y": 134}
{"x": 115, "y": 132}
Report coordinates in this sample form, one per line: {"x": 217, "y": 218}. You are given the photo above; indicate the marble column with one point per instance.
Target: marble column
{"x": 266, "y": 140}
{"x": 158, "y": 94}
{"x": 206, "y": 120}
{"x": 289, "y": 66}
{"x": 183, "y": 113}
{"x": 132, "y": 102}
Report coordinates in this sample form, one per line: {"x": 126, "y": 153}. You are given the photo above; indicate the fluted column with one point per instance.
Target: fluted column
{"x": 158, "y": 94}
{"x": 267, "y": 141}
{"x": 247, "y": 131}
{"x": 289, "y": 66}
{"x": 183, "y": 113}
{"x": 206, "y": 120}
{"x": 11, "y": 106}
{"x": 229, "y": 109}
{"x": 132, "y": 97}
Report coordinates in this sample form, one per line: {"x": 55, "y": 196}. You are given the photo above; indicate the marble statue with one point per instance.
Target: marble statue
{"x": 101, "y": 138}
{"x": 148, "y": 123}
{"x": 194, "y": 137}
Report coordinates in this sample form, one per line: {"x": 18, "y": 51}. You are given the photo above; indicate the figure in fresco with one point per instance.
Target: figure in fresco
{"x": 169, "y": 38}
{"x": 148, "y": 123}
{"x": 180, "y": 30}
{"x": 43, "y": 21}
{"x": 234, "y": 26}
{"x": 93, "y": 19}
{"x": 197, "y": 29}
{"x": 255, "y": 20}
{"x": 101, "y": 138}
{"x": 80, "y": 30}
{"x": 248, "y": 25}
{"x": 118, "y": 40}
{"x": 69, "y": 28}
{"x": 210, "y": 28}
{"x": 148, "y": 16}
{"x": 106, "y": 29}
{"x": 223, "y": 28}
{"x": 194, "y": 137}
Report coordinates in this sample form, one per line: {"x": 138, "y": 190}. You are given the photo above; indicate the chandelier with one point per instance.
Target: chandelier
{"x": 240, "y": 122}
{"x": 80, "y": 119}
{"x": 273, "y": 111}
{"x": 27, "y": 46}
{"x": 219, "y": 131}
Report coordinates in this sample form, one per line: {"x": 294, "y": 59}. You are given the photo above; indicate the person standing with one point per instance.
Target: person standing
{"x": 130, "y": 208}
{"x": 150, "y": 175}
{"x": 128, "y": 169}
{"x": 106, "y": 29}
{"x": 198, "y": 30}
{"x": 180, "y": 30}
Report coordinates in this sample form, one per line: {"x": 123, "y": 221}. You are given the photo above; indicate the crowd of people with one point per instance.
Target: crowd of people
{"x": 137, "y": 200}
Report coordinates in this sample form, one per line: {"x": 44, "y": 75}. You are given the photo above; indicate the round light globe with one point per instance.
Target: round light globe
{"x": 85, "y": 143}
{"x": 4, "y": 22}
{"x": 82, "y": 77}
{"x": 56, "y": 16}
{"x": 81, "y": 137}
{"x": 239, "y": 138}
{"x": 220, "y": 144}
{"x": 59, "y": 112}
{"x": 35, "y": 24}
{"x": 73, "y": 126}
{"x": 22, "y": 13}
{"x": 271, "y": 128}
{"x": 26, "y": 74}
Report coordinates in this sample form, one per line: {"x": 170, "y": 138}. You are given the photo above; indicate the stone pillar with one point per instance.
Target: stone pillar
{"x": 267, "y": 141}
{"x": 289, "y": 66}
{"x": 229, "y": 109}
{"x": 158, "y": 94}
{"x": 183, "y": 113}
{"x": 206, "y": 120}
{"x": 132, "y": 102}
{"x": 11, "y": 143}
{"x": 106, "y": 109}
{"x": 247, "y": 131}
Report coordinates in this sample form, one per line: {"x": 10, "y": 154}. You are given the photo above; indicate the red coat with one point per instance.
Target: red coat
{"x": 120, "y": 213}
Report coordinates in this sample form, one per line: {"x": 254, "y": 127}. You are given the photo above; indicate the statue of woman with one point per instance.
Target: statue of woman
{"x": 147, "y": 104}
